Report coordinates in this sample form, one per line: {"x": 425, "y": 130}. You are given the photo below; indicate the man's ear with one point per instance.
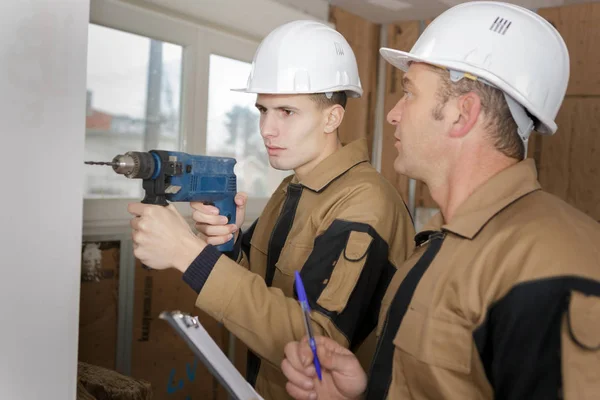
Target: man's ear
{"x": 469, "y": 108}
{"x": 333, "y": 118}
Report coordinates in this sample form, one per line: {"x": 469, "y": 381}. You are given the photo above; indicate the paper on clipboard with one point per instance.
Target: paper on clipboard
{"x": 205, "y": 348}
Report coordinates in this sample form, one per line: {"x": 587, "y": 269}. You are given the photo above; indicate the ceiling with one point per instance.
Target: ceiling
{"x": 386, "y": 11}
{"x": 257, "y": 18}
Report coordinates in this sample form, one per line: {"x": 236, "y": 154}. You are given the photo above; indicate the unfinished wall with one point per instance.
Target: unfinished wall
{"x": 158, "y": 354}
{"x": 99, "y": 303}
{"x": 363, "y": 37}
{"x": 568, "y": 162}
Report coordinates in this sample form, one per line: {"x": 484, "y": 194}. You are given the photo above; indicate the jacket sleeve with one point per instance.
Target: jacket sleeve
{"x": 345, "y": 276}
{"x": 542, "y": 340}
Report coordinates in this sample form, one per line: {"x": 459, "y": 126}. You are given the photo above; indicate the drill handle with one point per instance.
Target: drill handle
{"x": 228, "y": 209}
{"x": 154, "y": 192}
{"x": 156, "y": 200}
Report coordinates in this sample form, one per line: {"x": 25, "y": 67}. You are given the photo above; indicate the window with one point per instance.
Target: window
{"x": 141, "y": 84}
{"x": 233, "y": 128}
{"x": 133, "y": 104}
{"x": 149, "y": 78}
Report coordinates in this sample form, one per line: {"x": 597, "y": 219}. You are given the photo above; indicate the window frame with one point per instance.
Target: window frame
{"x": 110, "y": 216}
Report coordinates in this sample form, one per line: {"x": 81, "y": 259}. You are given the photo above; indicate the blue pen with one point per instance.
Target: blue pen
{"x": 306, "y": 310}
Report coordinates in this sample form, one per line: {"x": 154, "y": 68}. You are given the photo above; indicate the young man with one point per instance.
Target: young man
{"x": 500, "y": 300}
{"x": 336, "y": 220}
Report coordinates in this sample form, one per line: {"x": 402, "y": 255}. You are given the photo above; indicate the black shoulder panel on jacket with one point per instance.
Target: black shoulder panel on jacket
{"x": 360, "y": 315}
{"x": 520, "y": 341}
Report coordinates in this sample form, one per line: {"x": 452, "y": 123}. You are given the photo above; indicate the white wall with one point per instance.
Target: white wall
{"x": 43, "y": 47}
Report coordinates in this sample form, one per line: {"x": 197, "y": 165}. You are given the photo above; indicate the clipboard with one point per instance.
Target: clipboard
{"x": 211, "y": 355}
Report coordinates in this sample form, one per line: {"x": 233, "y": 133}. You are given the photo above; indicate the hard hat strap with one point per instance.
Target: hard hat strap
{"x": 524, "y": 122}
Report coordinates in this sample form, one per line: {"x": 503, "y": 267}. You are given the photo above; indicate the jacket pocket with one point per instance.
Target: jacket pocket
{"x": 580, "y": 347}
{"x": 292, "y": 257}
{"x": 435, "y": 342}
{"x": 583, "y": 320}
{"x": 346, "y": 272}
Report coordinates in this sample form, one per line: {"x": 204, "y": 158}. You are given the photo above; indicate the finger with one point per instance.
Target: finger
{"x": 204, "y": 208}
{"x": 135, "y": 223}
{"x": 295, "y": 376}
{"x": 299, "y": 393}
{"x": 218, "y": 230}
{"x": 136, "y": 237}
{"x": 335, "y": 361}
{"x": 208, "y": 219}
{"x": 240, "y": 199}
{"x": 200, "y": 234}
{"x": 305, "y": 353}
{"x": 218, "y": 240}
{"x": 136, "y": 208}
{"x": 330, "y": 344}
{"x": 331, "y": 354}
{"x": 292, "y": 354}
{"x": 136, "y": 252}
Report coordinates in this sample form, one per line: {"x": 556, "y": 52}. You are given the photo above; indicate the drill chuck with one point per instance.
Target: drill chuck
{"x": 134, "y": 165}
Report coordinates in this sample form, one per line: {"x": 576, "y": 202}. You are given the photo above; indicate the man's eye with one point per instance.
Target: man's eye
{"x": 288, "y": 112}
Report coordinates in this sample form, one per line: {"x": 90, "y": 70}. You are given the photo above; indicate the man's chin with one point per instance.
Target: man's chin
{"x": 399, "y": 166}
{"x": 279, "y": 166}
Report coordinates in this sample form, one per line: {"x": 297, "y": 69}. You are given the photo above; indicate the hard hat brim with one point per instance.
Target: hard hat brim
{"x": 354, "y": 92}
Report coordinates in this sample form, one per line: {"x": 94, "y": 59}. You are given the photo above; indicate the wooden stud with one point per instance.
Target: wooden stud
{"x": 579, "y": 25}
{"x": 363, "y": 37}
{"x": 569, "y": 161}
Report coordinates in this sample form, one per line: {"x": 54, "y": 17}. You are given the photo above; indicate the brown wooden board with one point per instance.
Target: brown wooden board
{"x": 159, "y": 355}
{"x": 98, "y": 303}
{"x": 400, "y": 36}
{"x": 569, "y": 161}
{"x": 363, "y": 37}
{"x": 579, "y": 25}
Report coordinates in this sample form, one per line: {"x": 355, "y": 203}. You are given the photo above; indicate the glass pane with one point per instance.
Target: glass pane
{"x": 232, "y": 128}
{"x": 133, "y": 104}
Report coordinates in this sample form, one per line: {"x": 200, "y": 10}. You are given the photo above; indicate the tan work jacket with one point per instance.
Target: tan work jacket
{"x": 505, "y": 302}
{"x": 346, "y": 229}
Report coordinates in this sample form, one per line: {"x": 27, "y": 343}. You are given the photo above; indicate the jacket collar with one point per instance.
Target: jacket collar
{"x": 489, "y": 199}
{"x": 334, "y": 166}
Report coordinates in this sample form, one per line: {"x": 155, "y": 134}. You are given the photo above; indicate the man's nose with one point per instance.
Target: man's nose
{"x": 268, "y": 125}
{"x": 395, "y": 114}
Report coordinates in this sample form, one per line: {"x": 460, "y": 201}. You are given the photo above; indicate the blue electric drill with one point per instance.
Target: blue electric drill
{"x": 175, "y": 176}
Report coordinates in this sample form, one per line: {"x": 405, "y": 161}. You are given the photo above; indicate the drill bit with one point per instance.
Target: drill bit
{"x": 127, "y": 164}
{"x": 111, "y": 163}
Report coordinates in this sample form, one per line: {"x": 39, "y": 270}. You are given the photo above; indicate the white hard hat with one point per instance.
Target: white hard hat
{"x": 506, "y": 46}
{"x": 304, "y": 57}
